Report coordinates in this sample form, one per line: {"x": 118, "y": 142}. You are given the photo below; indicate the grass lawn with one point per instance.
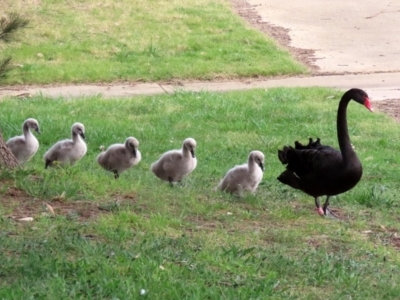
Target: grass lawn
{"x": 190, "y": 242}
{"x": 95, "y": 41}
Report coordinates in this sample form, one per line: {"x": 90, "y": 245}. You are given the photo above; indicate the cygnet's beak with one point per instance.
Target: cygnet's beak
{"x": 192, "y": 152}
{"x": 37, "y": 130}
{"x": 134, "y": 152}
{"x": 82, "y": 135}
{"x": 261, "y": 166}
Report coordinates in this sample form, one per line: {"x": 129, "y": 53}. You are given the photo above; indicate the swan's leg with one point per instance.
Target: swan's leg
{"x": 319, "y": 208}
{"x": 116, "y": 175}
{"x": 327, "y": 209}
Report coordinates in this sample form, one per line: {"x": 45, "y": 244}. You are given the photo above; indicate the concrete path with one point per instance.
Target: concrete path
{"x": 346, "y": 35}
{"x": 379, "y": 86}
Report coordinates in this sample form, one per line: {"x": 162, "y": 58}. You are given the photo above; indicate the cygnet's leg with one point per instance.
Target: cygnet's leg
{"x": 170, "y": 181}
{"x": 319, "y": 208}
{"x": 327, "y": 209}
{"x": 47, "y": 164}
{"x": 239, "y": 190}
{"x": 181, "y": 183}
{"x": 116, "y": 175}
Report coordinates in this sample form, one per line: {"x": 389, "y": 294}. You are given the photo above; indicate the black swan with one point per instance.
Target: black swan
{"x": 320, "y": 170}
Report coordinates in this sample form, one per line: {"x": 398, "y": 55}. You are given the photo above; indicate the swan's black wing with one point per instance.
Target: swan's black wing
{"x": 310, "y": 161}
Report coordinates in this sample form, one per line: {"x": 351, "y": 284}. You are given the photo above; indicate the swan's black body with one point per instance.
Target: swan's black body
{"x": 320, "y": 170}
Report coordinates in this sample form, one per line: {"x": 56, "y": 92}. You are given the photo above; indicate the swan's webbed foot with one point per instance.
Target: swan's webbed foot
{"x": 329, "y": 213}
{"x": 326, "y": 210}
{"x": 319, "y": 208}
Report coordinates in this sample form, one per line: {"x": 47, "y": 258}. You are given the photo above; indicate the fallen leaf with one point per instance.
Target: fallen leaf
{"x": 27, "y": 219}
{"x": 50, "y": 209}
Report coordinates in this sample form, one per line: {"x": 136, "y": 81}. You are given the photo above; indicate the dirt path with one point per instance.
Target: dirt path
{"x": 379, "y": 86}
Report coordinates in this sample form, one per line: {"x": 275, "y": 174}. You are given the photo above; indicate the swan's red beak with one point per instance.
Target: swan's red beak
{"x": 367, "y": 104}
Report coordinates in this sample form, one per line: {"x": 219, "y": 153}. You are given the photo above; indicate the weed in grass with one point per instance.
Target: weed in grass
{"x": 375, "y": 197}
{"x": 51, "y": 184}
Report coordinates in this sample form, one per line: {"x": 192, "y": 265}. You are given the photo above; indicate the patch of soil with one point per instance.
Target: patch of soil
{"x": 280, "y": 34}
{"x": 18, "y": 204}
{"x": 201, "y": 224}
{"x": 389, "y": 107}
{"x": 386, "y": 236}
{"x": 395, "y": 242}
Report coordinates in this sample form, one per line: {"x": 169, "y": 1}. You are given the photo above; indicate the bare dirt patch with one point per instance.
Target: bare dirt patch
{"x": 280, "y": 34}
{"x": 387, "y": 236}
{"x": 389, "y": 107}
{"x": 17, "y": 204}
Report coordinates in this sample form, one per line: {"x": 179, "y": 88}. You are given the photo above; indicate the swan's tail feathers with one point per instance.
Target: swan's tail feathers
{"x": 289, "y": 178}
{"x": 314, "y": 145}
{"x": 285, "y": 153}
{"x": 298, "y": 145}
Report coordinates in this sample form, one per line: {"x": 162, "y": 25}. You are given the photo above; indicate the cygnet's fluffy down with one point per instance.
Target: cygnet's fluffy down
{"x": 120, "y": 157}
{"x": 173, "y": 165}
{"x": 25, "y": 146}
{"x": 68, "y": 151}
{"x": 244, "y": 177}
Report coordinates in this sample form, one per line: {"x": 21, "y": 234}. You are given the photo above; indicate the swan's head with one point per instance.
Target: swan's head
{"x": 78, "y": 129}
{"x": 132, "y": 144}
{"x": 361, "y": 97}
{"x": 258, "y": 158}
{"x": 190, "y": 145}
{"x": 32, "y": 123}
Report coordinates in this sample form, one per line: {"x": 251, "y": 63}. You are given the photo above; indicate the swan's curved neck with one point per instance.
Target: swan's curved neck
{"x": 252, "y": 165}
{"x": 186, "y": 152}
{"x": 342, "y": 131}
{"x": 26, "y": 130}
{"x": 75, "y": 137}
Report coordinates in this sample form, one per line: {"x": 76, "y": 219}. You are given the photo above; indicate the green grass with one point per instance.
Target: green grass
{"x": 190, "y": 242}
{"x": 95, "y": 41}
